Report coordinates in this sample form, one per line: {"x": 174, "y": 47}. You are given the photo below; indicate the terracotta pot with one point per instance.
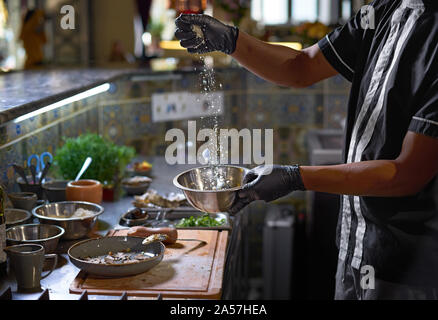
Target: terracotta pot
{"x": 85, "y": 190}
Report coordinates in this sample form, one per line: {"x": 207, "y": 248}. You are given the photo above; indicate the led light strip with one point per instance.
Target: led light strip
{"x": 83, "y": 95}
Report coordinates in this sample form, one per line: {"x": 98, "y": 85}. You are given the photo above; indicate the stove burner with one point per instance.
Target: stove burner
{"x": 8, "y": 295}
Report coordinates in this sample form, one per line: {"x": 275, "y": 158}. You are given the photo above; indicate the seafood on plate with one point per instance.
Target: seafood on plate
{"x": 125, "y": 257}
{"x": 137, "y": 181}
{"x": 153, "y": 198}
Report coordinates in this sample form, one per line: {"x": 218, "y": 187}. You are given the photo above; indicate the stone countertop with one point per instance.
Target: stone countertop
{"x": 27, "y": 91}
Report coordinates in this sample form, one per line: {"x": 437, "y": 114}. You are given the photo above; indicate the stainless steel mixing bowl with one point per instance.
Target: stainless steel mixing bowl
{"x": 46, "y": 235}
{"x": 75, "y": 228}
{"x": 211, "y": 189}
{"x": 15, "y": 217}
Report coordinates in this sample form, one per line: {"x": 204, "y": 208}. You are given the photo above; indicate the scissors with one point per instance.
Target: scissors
{"x": 40, "y": 164}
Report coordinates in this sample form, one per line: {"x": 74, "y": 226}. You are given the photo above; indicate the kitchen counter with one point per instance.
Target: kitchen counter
{"x": 27, "y": 91}
{"x": 60, "y": 280}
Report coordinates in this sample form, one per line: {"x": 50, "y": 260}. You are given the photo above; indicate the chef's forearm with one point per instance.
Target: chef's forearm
{"x": 382, "y": 178}
{"x": 278, "y": 64}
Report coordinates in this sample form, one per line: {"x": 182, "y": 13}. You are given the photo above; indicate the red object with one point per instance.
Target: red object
{"x": 190, "y": 6}
{"x": 190, "y": 12}
{"x": 108, "y": 194}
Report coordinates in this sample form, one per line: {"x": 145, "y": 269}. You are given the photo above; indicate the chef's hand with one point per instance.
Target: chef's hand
{"x": 216, "y": 35}
{"x": 259, "y": 184}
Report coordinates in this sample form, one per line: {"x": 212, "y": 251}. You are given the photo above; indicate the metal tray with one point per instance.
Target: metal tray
{"x": 159, "y": 209}
{"x": 171, "y": 217}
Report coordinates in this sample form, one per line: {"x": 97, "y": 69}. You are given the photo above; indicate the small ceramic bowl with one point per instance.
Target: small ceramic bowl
{"x": 138, "y": 188}
{"x": 23, "y": 200}
{"x": 85, "y": 191}
{"x": 56, "y": 190}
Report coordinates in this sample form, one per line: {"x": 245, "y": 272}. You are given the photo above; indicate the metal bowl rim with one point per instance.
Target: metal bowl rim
{"x": 163, "y": 248}
{"x": 16, "y": 196}
{"x": 28, "y": 215}
{"x": 144, "y": 185}
{"x": 60, "y": 229}
{"x": 178, "y": 185}
{"x": 34, "y": 211}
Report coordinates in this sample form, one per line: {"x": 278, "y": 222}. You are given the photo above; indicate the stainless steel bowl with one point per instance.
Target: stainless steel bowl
{"x": 75, "y": 228}
{"x": 15, "y": 217}
{"x": 46, "y": 235}
{"x": 211, "y": 189}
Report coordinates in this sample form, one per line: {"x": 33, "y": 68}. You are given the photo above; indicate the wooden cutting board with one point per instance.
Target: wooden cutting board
{"x": 190, "y": 269}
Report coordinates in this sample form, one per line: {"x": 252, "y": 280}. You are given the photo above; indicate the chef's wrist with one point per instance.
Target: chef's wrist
{"x": 234, "y": 35}
{"x": 295, "y": 179}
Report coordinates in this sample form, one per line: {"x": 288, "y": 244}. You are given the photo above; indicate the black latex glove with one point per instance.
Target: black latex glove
{"x": 268, "y": 187}
{"x": 216, "y": 35}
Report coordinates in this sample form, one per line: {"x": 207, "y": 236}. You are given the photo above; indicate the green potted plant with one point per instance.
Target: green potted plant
{"x": 108, "y": 165}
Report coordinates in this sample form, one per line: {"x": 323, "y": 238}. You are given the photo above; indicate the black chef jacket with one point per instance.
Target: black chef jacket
{"x": 392, "y": 62}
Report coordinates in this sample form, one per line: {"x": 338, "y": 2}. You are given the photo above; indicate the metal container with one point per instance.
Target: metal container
{"x": 98, "y": 247}
{"x": 31, "y": 187}
{"x": 55, "y": 190}
{"x": 75, "y": 228}
{"x": 16, "y": 217}
{"x": 46, "y": 235}
{"x": 171, "y": 218}
{"x": 198, "y": 185}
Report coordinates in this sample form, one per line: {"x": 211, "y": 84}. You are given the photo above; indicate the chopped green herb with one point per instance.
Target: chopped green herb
{"x": 202, "y": 221}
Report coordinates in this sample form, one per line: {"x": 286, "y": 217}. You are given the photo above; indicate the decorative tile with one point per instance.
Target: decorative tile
{"x": 335, "y": 111}
{"x": 336, "y": 84}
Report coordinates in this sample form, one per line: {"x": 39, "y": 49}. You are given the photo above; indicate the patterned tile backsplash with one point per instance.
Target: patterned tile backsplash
{"x": 123, "y": 114}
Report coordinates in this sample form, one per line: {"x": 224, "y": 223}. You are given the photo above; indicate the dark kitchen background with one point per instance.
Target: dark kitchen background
{"x": 286, "y": 249}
